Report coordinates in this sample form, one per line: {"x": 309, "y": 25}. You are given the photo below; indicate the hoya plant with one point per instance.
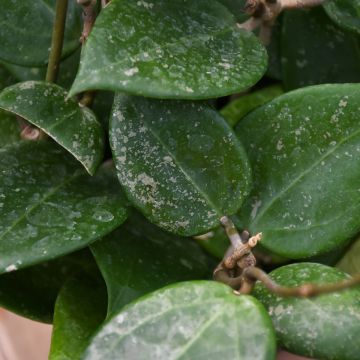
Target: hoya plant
{"x": 181, "y": 179}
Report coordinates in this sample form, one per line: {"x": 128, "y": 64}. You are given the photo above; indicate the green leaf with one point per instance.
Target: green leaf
{"x": 322, "y": 327}
{"x": 315, "y": 51}
{"x": 9, "y": 129}
{"x": 179, "y": 162}
{"x": 350, "y": 262}
{"x": 26, "y": 28}
{"x": 32, "y": 292}
{"x": 80, "y": 309}
{"x": 304, "y": 148}
{"x": 196, "y": 51}
{"x": 189, "y": 320}
{"x": 235, "y": 110}
{"x": 73, "y": 127}
{"x": 139, "y": 257}
{"x": 345, "y": 13}
{"x": 49, "y": 206}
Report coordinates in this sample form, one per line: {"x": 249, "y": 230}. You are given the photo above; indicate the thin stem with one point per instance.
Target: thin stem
{"x": 57, "y": 41}
{"x": 89, "y": 17}
{"x": 305, "y": 290}
{"x": 264, "y": 13}
{"x": 231, "y": 231}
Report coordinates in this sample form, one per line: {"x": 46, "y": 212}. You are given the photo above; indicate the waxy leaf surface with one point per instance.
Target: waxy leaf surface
{"x": 170, "y": 49}
{"x": 188, "y": 320}
{"x": 322, "y": 327}
{"x": 49, "y": 206}
{"x": 304, "y": 147}
{"x": 80, "y": 309}
{"x": 26, "y": 29}
{"x": 179, "y": 162}
{"x": 45, "y": 105}
{"x": 315, "y": 51}
{"x": 139, "y": 257}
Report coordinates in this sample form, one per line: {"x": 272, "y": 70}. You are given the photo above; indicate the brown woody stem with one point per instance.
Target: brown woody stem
{"x": 264, "y": 13}
{"x": 57, "y": 41}
{"x": 306, "y": 290}
{"x": 231, "y": 231}
{"x": 89, "y": 16}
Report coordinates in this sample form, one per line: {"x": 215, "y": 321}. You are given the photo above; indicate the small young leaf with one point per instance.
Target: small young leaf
{"x": 32, "y": 292}
{"x": 45, "y": 105}
{"x": 196, "y": 51}
{"x": 345, "y": 13}
{"x": 134, "y": 262}
{"x": 315, "y": 51}
{"x": 322, "y": 327}
{"x": 304, "y": 147}
{"x": 50, "y": 206}
{"x": 235, "y": 110}
{"x": 9, "y": 129}
{"x": 80, "y": 309}
{"x": 26, "y": 28}
{"x": 189, "y": 320}
{"x": 179, "y": 162}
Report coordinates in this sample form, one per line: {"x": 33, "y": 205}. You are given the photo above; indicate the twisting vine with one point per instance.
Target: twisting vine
{"x": 238, "y": 269}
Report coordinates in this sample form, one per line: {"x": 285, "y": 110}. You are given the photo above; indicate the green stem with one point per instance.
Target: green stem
{"x": 57, "y": 40}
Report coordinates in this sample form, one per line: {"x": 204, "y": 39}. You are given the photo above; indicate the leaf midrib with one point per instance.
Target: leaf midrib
{"x": 152, "y": 317}
{"x": 186, "y": 175}
{"x": 302, "y": 175}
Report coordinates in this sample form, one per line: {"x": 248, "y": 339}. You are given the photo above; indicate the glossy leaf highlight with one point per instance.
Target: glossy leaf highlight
{"x": 178, "y": 162}
{"x": 50, "y": 206}
{"x": 196, "y": 51}
{"x": 304, "y": 148}
{"x": 185, "y": 321}
{"x": 73, "y": 127}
